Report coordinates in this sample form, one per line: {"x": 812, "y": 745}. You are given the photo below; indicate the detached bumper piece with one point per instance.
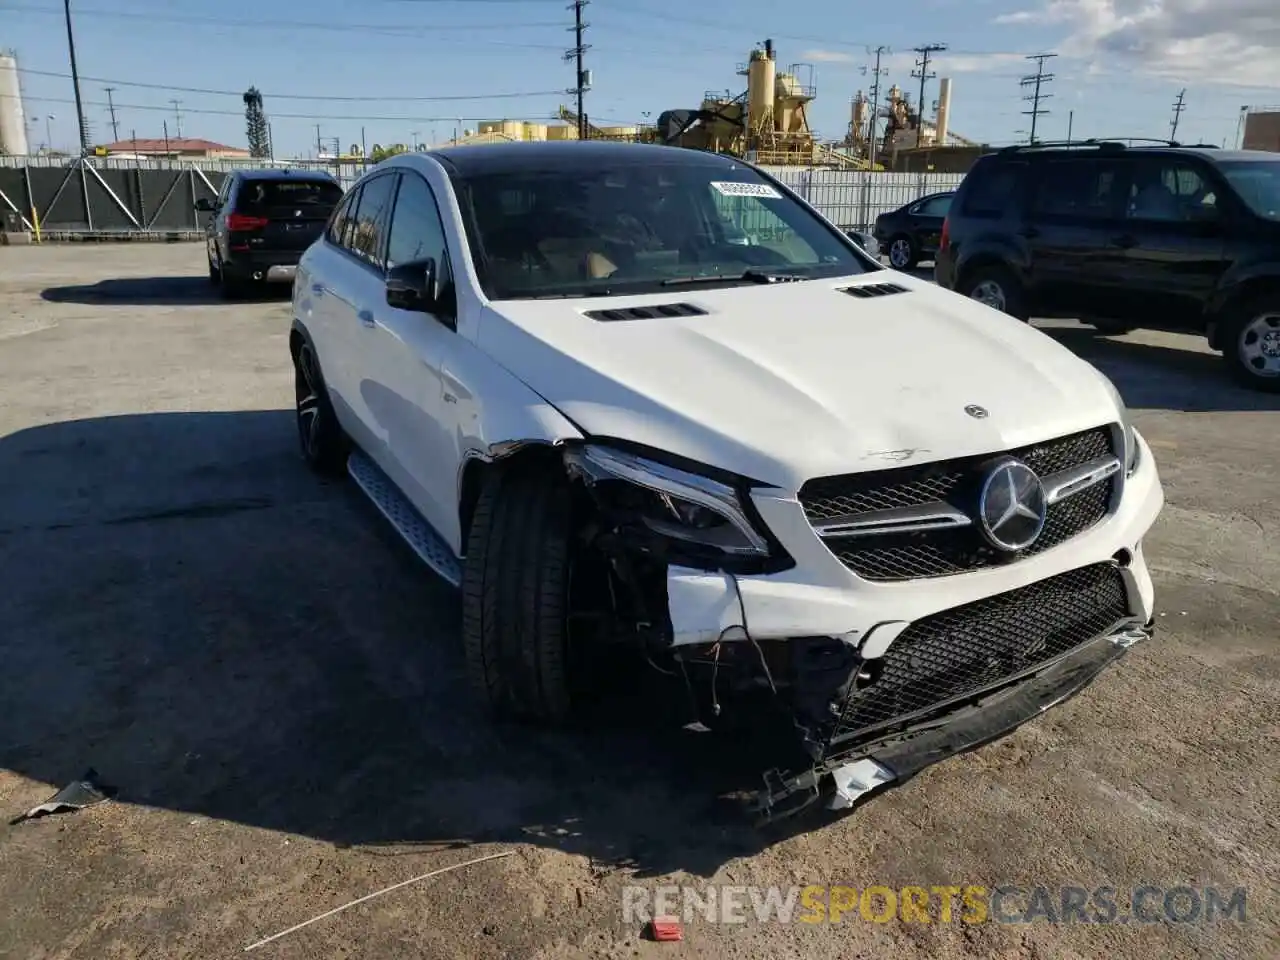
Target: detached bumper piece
{"x": 957, "y": 680}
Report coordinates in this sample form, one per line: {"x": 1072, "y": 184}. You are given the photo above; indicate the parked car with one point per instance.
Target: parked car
{"x": 262, "y": 221}
{"x": 773, "y": 469}
{"x": 1168, "y": 237}
{"x": 912, "y": 232}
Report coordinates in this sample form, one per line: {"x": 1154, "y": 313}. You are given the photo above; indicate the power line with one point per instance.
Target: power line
{"x": 389, "y": 29}
{"x": 1178, "y": 107}
{"x": 876, "y": 73}
{"x": 574, "y": 54}
{"x": 299, "y": 96}
{"x": 361, "y": 117}
{"x": 923, "y": 73}
{"x": 1036, "y": 80}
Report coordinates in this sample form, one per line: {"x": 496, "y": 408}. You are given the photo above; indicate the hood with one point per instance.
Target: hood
{"x": 787, "y": 382}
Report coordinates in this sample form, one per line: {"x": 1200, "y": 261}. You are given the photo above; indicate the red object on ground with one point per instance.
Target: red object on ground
{"x": 664, "y": 930}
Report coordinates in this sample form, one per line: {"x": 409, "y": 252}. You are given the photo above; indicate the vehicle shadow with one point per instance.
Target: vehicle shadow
{"x": 1158, "y": 377}
{"x": 154, "y": 291}
{"x": 215, "y": 630}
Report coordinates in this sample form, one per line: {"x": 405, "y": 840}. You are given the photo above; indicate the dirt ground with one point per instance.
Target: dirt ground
{"x": 275, "y": 687}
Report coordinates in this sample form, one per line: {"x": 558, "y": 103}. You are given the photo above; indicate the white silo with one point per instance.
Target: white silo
{"x": 13, "y": 121}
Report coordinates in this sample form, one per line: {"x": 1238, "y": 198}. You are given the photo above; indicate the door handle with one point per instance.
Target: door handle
{"x": 1124, "y": 241}
{"x": 365, "y": 317}
{"x": 318, "y": 289}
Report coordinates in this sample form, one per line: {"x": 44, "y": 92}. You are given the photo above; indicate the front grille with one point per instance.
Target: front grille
{"x": 959, "y": 652}
{"x": 938, "y": 553}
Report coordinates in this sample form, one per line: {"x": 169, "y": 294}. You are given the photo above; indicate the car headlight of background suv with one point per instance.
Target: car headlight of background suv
{"x": 675, "y": 504}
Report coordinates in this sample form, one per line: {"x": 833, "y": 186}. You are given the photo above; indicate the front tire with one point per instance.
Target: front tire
{"x": 320, "y": 437}
{"x": 1251, "y": 343}
{"x": 516, "y": 594}
{"x": 998, "y": 288}
{"x": 903, "y": 254}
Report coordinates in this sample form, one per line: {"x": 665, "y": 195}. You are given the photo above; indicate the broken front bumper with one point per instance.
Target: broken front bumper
{"x": 847, "y": 776}
{"x": 870, "y": 662}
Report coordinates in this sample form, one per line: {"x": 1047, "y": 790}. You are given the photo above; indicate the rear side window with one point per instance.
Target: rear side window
{"x": 367, "y": 235}
{"x": 341, "y": 218}
{"x": 993, "y": 189}
{"x": 935, "y": 207}
{"x": 265, "y": 197}
{"x": 1080, "y": 189}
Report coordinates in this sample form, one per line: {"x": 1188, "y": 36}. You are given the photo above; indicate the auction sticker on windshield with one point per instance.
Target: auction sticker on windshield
{"x": 730, "y": 188}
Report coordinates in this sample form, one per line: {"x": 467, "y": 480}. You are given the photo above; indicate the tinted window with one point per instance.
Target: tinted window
{"x": 628, "y": 228}
{"x": 1169, "y": 190}
{"x": 416, "y": 231}
{"x": 1078, "y": 188}
{"x": 1258, "y": 184}
{"x": 313, "y": 197}
{"x": 341, "y": 217}
{"x": 993, "y": 189}
{"x": 936, "y": 207}
{"x": 367, "y": 232}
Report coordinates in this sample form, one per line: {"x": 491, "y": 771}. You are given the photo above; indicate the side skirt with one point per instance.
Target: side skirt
{"x": 392, "y": 504}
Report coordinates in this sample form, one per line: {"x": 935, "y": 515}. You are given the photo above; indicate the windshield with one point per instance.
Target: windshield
{"x": 1258, "y": 183}
{"x": 635, "y": 229}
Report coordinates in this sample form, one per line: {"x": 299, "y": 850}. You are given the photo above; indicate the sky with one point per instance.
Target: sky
{"x": 417, "y": 70}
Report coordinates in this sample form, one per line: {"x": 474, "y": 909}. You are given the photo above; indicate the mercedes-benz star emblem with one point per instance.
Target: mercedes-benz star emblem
{"x": 975, "y": 411}
{"x": 1012, "y": 506}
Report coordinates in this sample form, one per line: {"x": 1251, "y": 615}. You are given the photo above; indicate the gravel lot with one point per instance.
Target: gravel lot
{"x": 276, "y": 688}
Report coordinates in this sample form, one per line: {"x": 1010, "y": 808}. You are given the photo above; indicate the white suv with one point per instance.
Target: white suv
{"x": 647, "y": 396}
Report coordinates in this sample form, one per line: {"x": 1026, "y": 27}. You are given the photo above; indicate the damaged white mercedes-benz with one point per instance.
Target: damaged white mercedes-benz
{"x": 643, "y": 395}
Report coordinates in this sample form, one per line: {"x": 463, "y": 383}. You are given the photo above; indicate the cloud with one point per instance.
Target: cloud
{"x": 946, "y": 64}
{"x": 1227, "y": 42}
{"x": 826, "y": 56}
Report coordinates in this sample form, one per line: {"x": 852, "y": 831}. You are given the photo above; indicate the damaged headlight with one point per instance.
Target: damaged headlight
{"x": 674, "y": 503}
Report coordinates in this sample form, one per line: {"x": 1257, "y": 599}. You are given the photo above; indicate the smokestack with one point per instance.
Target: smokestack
{"x": 768, "y": 49}
{"x": 944, "y": 112}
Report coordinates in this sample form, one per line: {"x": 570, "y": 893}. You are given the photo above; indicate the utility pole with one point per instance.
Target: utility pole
{"x": 922, "y": 72}
{"x": 1071, "y": 119}
{"x": 1178, "y": 107}
{"x": 75, "y": 82}
{"x": 583, "y": 82}
{"x": 1036, "y": 81}
{"x": 111, "y": 108}
{"x": 177, "y": 116}
{"x": 876, "y": 74}
{"x": 319, "y": 149}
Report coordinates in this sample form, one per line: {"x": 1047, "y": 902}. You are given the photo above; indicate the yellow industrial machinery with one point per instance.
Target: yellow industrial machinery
{"x": 767, "y": 123}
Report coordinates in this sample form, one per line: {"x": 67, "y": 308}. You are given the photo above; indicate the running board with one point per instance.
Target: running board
{"x": 393, "y": 505}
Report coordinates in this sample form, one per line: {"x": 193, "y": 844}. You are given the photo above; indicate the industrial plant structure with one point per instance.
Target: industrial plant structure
{"x": 13, "y": 120}
{"x": 1262, "y": 129}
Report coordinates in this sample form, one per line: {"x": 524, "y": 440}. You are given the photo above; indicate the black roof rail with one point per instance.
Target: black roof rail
{"x": 1102, "y": 143}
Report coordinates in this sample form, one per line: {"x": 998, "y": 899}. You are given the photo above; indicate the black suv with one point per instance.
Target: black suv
{"x": 262, "y": 222}
{"x": 1169, "y": 237}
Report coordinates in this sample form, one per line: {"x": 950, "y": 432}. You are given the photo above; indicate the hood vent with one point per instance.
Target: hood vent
{"x": 647, "y": 312}
{"x": 865, "y": 290}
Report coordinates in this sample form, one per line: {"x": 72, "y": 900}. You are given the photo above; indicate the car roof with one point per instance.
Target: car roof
{"x": 1113, "y": 149}
{"x": 584, "y": 155}
{"x": 271, "y": 173}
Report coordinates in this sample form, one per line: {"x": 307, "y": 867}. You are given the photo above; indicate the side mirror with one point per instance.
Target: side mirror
{"x": 205, "y": 205}
{"x": 414, "y": 286}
